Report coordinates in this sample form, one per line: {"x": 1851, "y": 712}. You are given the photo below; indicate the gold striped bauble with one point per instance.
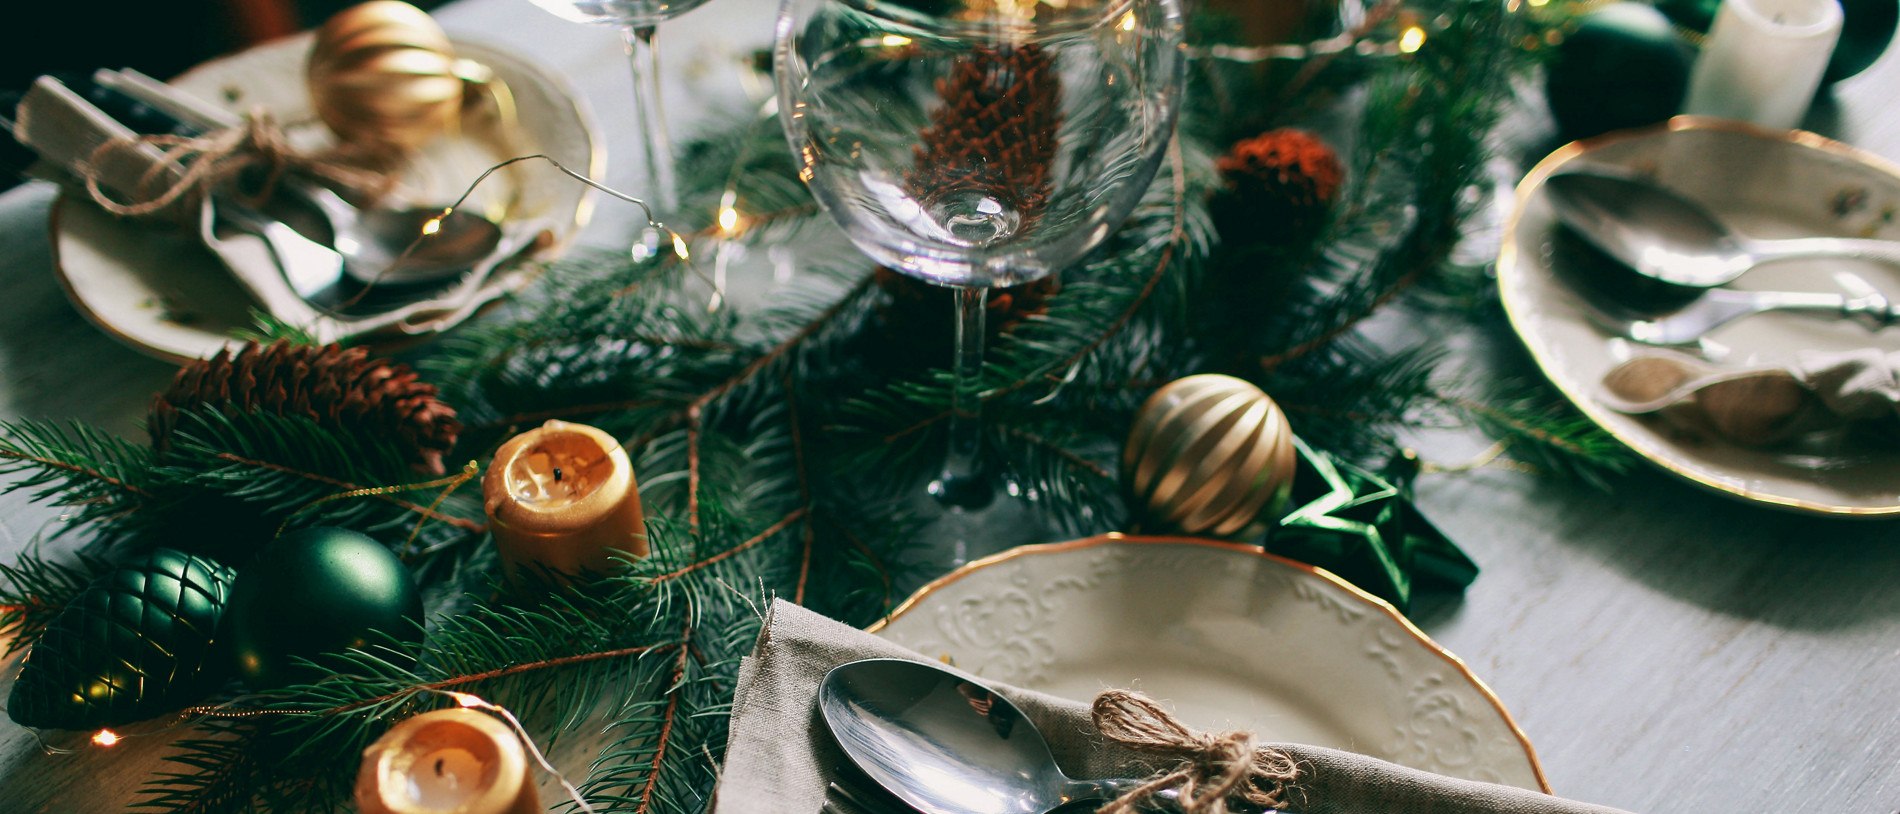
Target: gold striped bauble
{"x": 1209, "y": 454}
{"x": 383, "y": 74}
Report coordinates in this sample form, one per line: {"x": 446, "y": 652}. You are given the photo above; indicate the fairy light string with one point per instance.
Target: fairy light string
{"x": 433, "y": 226}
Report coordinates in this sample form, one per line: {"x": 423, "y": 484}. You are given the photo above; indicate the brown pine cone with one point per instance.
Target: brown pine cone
{"x": 996, "y": 131}
{"x": 1277, "y": 186}
{"x": 338, "y": 388}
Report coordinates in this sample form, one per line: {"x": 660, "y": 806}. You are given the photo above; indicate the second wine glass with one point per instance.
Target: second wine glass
{"x": 637, "y": 20}
{"x": 977, "y": 144}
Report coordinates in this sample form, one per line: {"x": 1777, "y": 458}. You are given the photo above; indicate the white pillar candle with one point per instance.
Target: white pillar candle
{"x": 1763, "y": 60}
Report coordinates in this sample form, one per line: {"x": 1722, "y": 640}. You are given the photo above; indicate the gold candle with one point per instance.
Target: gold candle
{"x": 562, "y": 497}
{"x": 451, "y": 761}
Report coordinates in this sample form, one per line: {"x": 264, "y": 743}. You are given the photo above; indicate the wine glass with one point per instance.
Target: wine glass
{"x": 977, "y": 144}
{"x": 637, "y": 20}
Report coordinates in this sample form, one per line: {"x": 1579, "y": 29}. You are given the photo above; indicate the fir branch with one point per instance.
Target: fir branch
{"x": 761, "y": 537}
{"x": 104, "y": 477}
{"x": 37, "y": 589}
{"x": 346, "y": 486}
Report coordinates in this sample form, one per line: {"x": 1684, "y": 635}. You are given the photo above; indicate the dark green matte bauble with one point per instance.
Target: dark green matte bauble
{"x": 136, "y": 643}
{"x": 1866, "y": 29}
{"x": 1623, "y": 66}
{"x": 314, "y": 592}
{"x": 1694, "y": 15}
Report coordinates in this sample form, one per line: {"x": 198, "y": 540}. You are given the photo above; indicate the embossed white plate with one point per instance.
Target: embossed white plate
{"x": 1229, "y": 637}
{"x": 154, "y": 287}
{"x": 1766, "y": 183}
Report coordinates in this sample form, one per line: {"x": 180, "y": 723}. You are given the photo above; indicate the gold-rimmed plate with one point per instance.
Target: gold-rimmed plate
{"x": 1230, "y": 638}
{"x": 1764, "y": 183}
{"x": 156, "y": 288}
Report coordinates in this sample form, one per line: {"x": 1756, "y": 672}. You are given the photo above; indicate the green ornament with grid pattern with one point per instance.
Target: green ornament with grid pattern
{"x": 138, "y": 642}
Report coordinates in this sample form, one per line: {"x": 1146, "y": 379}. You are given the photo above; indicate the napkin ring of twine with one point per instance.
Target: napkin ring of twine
{"x": 219, "y": 156}
{"x": 1209, "y": 769}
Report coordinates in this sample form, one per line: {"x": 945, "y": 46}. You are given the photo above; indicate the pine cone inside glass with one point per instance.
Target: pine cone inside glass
{"x": 1277, "y": 187}
{"x": 991, "y": 145}
{"x": 334, "y": 386}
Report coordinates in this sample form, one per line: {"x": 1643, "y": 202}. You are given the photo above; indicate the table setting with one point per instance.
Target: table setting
{"x": 960, "y": 407}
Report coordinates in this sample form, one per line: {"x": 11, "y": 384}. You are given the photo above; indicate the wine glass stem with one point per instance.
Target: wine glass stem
{"x": 655, "y": 148}
{"x": 961, "y": 483}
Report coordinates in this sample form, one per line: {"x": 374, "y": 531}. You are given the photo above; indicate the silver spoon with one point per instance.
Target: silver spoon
{"x": 1668, "y": 237}
{"x": 946, "y": 745}
{"x": 372, "y": 240}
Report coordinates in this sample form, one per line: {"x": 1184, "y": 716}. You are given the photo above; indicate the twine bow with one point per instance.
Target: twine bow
{"x": 213, "y": 158}
{"x": 1209, "y": 770}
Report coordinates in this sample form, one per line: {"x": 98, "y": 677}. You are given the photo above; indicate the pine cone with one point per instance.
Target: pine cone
{"x": 338, "y": 388}
{"x": 137, "y": 642}
{"x": 1279, "y": 186}
{"x": 996, "y": 131}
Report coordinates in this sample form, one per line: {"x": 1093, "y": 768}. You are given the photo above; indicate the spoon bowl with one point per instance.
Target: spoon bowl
{"x": 1667, "y": 237}
{"x": 372, "y": 241}
{"x": 944, "y": 744}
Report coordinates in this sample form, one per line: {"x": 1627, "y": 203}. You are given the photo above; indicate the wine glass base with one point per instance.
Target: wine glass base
{"x": 957, "y": 535}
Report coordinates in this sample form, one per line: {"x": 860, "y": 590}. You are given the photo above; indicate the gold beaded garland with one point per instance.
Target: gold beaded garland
{"x": 383, "y": 74}
{"x": 1210, "y": 454}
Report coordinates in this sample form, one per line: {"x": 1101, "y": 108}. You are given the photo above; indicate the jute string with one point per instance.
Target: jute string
{"x": 219, "y": 156}
{"x": 1209, "y": 770}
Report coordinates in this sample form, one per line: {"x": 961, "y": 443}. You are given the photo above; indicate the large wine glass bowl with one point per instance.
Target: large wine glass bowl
{"x": 973, "y": 147}
{"x": 977, "y": 144}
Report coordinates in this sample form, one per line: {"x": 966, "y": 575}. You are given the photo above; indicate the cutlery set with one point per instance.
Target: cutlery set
{"x": 306, "y": 256}
{"x": 935, "y": 742}
{"x": 1682, "y": 249}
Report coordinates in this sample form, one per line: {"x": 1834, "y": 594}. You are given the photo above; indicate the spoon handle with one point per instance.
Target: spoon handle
{"x": 1722, "y": 306}
{"x": 1882, "y": 251}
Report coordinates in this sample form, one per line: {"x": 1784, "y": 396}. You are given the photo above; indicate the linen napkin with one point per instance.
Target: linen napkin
{"x": 1758, "y": 406}
{"x": 781, "y": 756}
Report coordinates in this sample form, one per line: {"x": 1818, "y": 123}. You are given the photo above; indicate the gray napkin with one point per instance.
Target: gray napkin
{"x": 781, "y": 757}
{"x": 66, "y": 130}
{"x": 1758, "y": 406}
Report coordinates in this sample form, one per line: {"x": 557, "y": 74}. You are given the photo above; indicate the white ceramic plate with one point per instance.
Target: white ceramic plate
{"x": 1227, "y": 636}
{"x": 1763, "y": 183}
{"x": 156, "y": 288}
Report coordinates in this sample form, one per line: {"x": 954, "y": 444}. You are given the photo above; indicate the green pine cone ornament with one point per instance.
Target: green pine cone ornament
{"x": 136, "y": 643}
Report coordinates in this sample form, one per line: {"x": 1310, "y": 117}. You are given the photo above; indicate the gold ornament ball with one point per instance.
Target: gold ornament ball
{"x": 383, "y": 74}
{"x": 1210, "y": 454}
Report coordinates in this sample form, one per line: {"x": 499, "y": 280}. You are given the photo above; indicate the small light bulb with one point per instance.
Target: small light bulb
{"x": 679, "y": 247}
{"x": 894, "y": 40}
{"x": 728, "y": 218}
{"x": 1128, "y": 21}
{"x": 1412, "y": 39}
{"x": 431, "y": 226}
{"x": 106, "y": 737}
{"x": 467, "y": 700}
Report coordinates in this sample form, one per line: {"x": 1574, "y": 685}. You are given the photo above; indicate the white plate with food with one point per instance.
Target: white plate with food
{"x": 156, "y": 288}
{"x": 1227, "y": 636}
{"x": 1761, "y": 183}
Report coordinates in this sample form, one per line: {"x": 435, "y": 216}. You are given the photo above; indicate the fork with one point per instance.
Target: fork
{"x": 1720, "y": 306}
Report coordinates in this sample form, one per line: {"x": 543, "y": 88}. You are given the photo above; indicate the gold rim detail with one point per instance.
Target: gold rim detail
{"x": 1377, "y": 604}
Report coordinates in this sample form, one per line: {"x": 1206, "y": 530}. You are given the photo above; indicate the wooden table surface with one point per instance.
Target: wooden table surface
{"x": 1665, "y": 649}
